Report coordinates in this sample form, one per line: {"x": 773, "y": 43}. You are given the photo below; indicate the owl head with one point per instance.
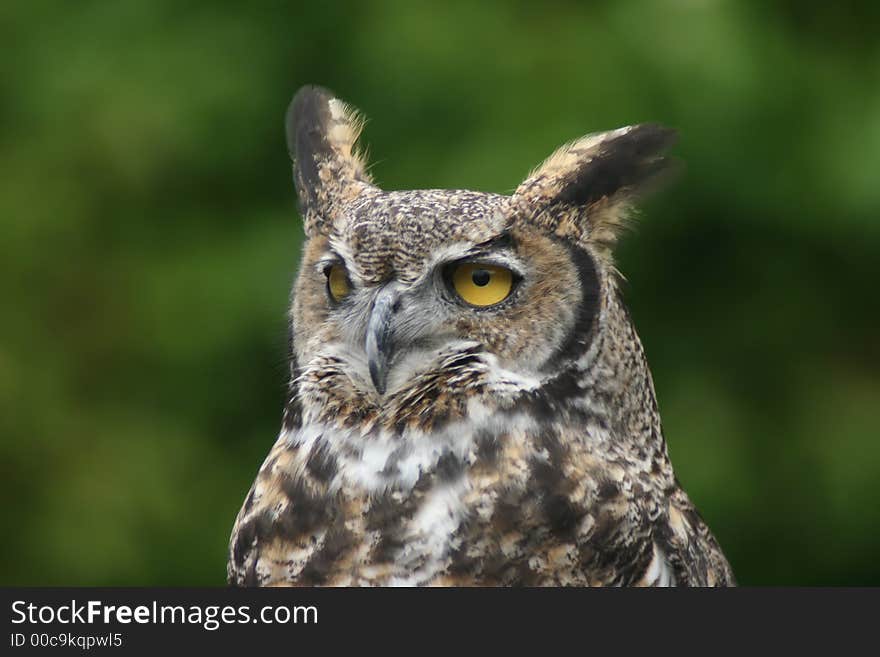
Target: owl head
{"x": 401, "y": 294}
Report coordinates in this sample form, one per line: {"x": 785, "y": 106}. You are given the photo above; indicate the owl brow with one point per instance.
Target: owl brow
{"x": 502, "y": 246}
{"x": 327, "y": 259}
{"x": 502, "y": 241}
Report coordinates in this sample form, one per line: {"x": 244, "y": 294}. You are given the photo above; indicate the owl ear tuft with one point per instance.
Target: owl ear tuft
{"x": 587, "y": 188}
{"x": 328, "y": 169}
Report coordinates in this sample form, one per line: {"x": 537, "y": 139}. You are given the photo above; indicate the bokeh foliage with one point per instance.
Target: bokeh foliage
{"x": 149, "y": 236}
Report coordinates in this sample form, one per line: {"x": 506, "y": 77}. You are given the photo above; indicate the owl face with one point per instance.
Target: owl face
{"x": 394, "y": 285}
{"x": 407, "y": 277}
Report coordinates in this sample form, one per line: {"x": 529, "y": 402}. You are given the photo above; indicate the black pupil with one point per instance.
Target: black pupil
{"x": 481, "y": 277}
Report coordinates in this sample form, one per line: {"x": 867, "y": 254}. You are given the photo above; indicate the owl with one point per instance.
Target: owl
{"x": 468, "y": 402}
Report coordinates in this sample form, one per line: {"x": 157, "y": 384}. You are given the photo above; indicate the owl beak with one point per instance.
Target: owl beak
{"x": 379, "y": 343}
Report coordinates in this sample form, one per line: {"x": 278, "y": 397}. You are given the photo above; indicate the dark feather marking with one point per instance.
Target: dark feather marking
{"x": 624, "y": 163}
{"x": 385, "y": 551}
{"x": 460, "y": 563}
{"x": 292, "y": 417}
{"x": 544, "y": 403}
{"x": 437, "y": 421}
{"x": 604, "y": 531}
{"x": 249, "y": 501}
{"x": 384, "y": 510}
{"x": 337, "y": 542}
{"x": 305, "y": 511}
{"x": 307, "y": 119}
{"x": 502, "y": 241}
{"x": 250, "y": 576}
{"x": 549, "y": 402}
{"x": 555, "y": 488}
{"x": 549, "y": 440}
{"x": 449, "y": 466}
{"x": 491, "y": 566}
{"x": 488, "y": 447}
{"x": 580, "y": 335}
{"x": 523, "y": 575}
{"x": 321, "y": 464}
{"x": 254, "y": 529}
{"x": 607, "y": 490}
{"x": 562, "y": 516}
{"x": 389, "y": 517}
{"x": 508, "y": 511}
{"x": 392, "y": 464}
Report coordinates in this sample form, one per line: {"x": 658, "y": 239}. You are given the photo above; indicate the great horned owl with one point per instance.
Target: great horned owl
{"x": 469, "y": 403}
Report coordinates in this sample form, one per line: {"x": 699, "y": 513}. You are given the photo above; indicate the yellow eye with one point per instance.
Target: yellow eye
{"x": 481, "y": 284}
{"x": 337, "y": 282}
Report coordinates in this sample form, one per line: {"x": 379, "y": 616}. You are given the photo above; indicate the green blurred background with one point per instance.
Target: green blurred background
{"x": 149, "y": 237}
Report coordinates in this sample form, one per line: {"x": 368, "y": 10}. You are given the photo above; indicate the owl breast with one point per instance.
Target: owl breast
{"x": 486, "y": 493}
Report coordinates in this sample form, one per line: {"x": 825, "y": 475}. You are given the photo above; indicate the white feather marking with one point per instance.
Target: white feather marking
{"x": 659, "y": 572}
{"x": 428, "y": 537}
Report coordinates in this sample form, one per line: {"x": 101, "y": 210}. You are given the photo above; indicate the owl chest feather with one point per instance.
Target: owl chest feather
{"x": 497, "y": 498}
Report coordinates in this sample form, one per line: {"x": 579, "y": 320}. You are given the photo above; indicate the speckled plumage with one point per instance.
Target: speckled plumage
{"x": 513, "y": 445}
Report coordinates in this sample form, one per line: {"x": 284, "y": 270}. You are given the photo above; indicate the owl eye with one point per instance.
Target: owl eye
{"x": 338, "y": 286}
{"x": 481, "y": 284}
